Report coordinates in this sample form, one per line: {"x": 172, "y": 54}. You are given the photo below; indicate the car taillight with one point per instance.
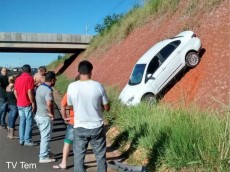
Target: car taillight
{"x": 194, "y": 35}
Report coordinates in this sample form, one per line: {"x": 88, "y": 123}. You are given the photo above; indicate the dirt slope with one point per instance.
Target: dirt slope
{"x": 208, "y": 85}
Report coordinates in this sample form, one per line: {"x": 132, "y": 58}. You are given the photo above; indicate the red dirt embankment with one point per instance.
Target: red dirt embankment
{"x": 206, "y": 85}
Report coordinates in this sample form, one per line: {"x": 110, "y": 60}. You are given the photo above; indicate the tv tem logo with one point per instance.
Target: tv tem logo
{"x": 22, "y": 165}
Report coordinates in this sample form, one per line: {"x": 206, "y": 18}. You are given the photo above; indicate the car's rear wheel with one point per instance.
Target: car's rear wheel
{"x": 149, "y": 98}
{"x": 192, "y": 59}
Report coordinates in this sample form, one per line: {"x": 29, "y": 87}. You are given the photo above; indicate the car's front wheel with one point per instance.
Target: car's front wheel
{"x": 192, "y": 59}
{"x": 149, "y": 98}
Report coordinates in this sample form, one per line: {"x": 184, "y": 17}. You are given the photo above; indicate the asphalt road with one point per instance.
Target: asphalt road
{"x": 17, "y": 158}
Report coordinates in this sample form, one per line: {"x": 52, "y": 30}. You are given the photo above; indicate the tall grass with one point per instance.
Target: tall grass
{"x": 62, "y": 84}
{"x": 168, "y": 138}
{"x": 173, "y": 138}
{"x": 194, "y": 140}
{"x": 114, "y": 103}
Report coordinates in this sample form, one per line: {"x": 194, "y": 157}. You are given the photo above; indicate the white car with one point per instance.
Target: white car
{"x": 156, "y": 68}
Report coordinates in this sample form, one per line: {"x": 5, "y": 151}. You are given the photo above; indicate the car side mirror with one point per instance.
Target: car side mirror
{"x": 149, "y": 75}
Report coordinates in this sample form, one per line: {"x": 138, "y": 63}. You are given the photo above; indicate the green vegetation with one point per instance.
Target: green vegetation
{"x": 62, "y": 84}
{"x": 171, "y": 138}
{"x": 60, "y": 60}
{"x": 167, "y": 138}
{"x": 109, "y": 21}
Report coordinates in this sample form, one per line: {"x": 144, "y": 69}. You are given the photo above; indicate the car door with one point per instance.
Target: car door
{"x": 153, "y": 70}
{"x": 170, "y": 63}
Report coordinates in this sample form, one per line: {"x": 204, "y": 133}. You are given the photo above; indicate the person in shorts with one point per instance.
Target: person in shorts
{"x": 68, "y": 117}
{"x": 68, "y": 141}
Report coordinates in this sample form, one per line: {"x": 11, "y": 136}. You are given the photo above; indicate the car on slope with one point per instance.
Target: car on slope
{"x": 159, "y": 65}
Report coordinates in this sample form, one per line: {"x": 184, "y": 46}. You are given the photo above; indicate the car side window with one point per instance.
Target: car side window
{"x": 168, "y": 49}
{"x": 153, "y": 66}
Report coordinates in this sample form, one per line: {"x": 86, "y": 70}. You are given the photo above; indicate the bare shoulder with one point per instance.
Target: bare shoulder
{"x": 9, "y": 88}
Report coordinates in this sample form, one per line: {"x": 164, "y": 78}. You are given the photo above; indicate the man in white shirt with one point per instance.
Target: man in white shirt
{"x": 88, "y": 99}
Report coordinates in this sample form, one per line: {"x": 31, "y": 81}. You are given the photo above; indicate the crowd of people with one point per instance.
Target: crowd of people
{"x": 31, "y": 98}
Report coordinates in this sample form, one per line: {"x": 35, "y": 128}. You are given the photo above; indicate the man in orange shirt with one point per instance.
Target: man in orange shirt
{"x": 68, "y": 141}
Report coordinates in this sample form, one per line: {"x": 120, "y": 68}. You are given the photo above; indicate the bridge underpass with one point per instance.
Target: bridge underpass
{"x": 43, "y": 43}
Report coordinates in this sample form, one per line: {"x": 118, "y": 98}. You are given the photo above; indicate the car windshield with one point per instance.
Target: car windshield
{"x": 137, "y": 74}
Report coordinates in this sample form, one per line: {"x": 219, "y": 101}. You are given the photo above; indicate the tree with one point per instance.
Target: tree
{"x": 108, "y": 22}
{"x": 59, "y": 57}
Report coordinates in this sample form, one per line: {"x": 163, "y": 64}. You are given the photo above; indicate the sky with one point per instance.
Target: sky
{"x": 54, "y": 16}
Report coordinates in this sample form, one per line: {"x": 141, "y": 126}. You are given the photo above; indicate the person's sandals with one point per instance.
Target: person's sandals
{"x": 58, "y": 167}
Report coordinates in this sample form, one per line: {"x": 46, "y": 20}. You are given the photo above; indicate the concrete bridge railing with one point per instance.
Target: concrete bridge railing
{"x": 42, "y": 42}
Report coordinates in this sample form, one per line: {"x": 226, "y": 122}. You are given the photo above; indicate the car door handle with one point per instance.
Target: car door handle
{"x": 178, "y": 52}
{"x": 163, "y": 68}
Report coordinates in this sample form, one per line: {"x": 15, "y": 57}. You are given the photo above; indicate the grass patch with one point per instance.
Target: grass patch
{"x": 171, "y": 138}
{"x": 164, "y": 138}
{"x": 62, "y": 84}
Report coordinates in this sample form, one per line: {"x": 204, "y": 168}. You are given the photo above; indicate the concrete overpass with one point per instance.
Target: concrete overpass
{"x": 43, "y": 43}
